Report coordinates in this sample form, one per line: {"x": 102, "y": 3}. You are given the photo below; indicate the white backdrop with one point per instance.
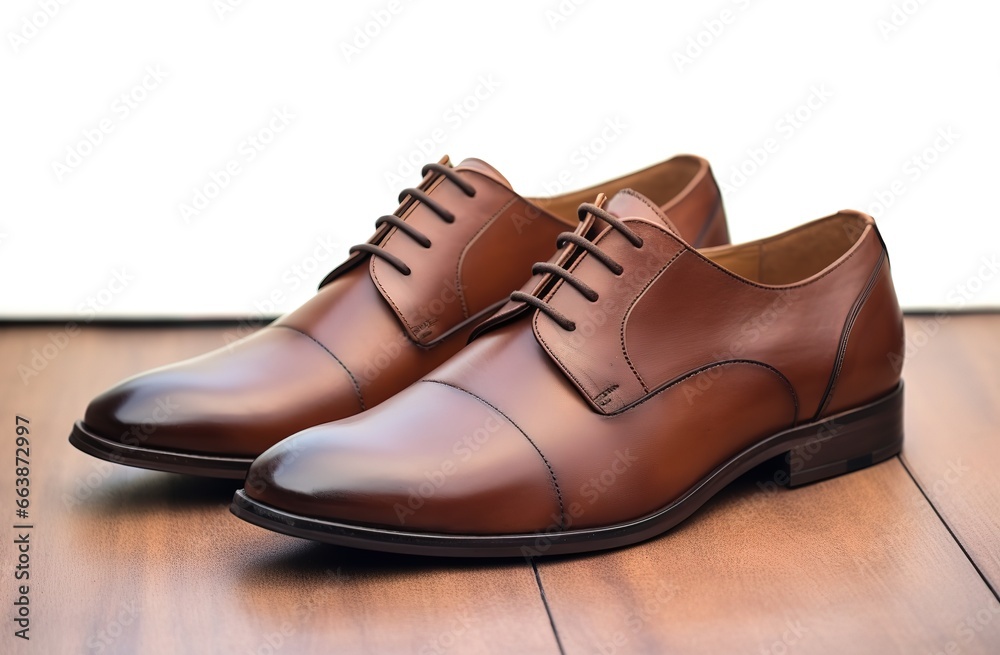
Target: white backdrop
{"x": 198, "y": 157}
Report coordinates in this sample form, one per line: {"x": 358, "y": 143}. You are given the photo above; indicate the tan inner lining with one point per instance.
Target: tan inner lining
{"x": 660, "y": 183}
{"x": 795, "y": 255}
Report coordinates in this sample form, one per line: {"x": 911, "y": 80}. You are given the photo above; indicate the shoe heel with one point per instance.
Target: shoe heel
{"x": 848, "y": 441}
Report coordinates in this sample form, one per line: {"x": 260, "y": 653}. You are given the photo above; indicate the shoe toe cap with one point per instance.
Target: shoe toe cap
{"x": 234, "y": 401}
{"x": 401, "y": 466}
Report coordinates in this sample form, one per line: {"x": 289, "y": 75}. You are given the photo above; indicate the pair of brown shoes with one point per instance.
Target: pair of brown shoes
{"x": 642, "y": 367}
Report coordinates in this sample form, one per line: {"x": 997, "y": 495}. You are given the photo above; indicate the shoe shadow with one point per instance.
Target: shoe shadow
{"x": 137, "y": 492}
{"x": 294, "y": 561}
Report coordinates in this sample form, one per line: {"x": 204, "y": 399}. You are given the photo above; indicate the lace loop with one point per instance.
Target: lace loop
{"x": 550, "y": 311}
{"x": 574, "y": 281}
{"x": 405, "y": 228}
{"x": 610, "y": 219}
{"x": 450, "y": 173}
{"x": 590, "y": 247}
{"x": 390, "y": 258}
{"x": 431, "y": 204}
{"x": 556, "y": 271}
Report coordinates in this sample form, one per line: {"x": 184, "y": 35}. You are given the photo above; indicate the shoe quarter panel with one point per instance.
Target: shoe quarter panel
{"x": 592, "y": 355}
{"x": 429, "y": 301}
{"x": 697, "y": 314}
{"x": 499, "y": 257}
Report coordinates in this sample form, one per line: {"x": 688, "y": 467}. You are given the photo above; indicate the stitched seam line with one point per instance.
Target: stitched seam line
{"x": 459, "y": 287}
{"x": 552, "y": 473}
{"x": 656, "y": 210}
{"x": 778, "y": 288}
{"x": 354, "y": 380}
{"x": 703, "y": 369}
{"x": 845, "y": 335}
{"x": 713, "y": 217}
{"x": 374, "y": 274}
{"x": 388, "y": 296}
{"x": 545, "y": 344}
{"x": 628, "y": 311}
{"x": 538, "y": 334}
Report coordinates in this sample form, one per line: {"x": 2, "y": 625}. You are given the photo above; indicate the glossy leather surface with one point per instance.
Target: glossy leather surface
{"x": 683, "y": 361}
{"x": 370, "y": 331}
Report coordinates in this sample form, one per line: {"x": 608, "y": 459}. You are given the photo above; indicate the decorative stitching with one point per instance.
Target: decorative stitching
{"x": 628, "y": 311}
{"x": 357, "y": 387}
{"x": 856, "y": 248}
{"x": 604, "y": 397}
{"x": 656, "y": 210}
{"x": 545, "y": 344}
{"x": 537, "y": 330}
{"x": 777, "y": 288}
{"x": 713, "y": 217}
{"x": 374, "y": 275}
{"x": 845, "y": 335}
{"x": 459, "y": 287}
{"x": 552, "y": 473}
{"x": 708, "y": 367}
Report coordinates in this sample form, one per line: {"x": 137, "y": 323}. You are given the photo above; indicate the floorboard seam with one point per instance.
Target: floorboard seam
{"x": 954, "y": 536}
{"x": 548, "y": 610}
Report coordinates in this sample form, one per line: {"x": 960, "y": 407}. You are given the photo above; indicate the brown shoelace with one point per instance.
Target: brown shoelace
{"x": 409, "y": 230}
{"x": 581, "y": 242}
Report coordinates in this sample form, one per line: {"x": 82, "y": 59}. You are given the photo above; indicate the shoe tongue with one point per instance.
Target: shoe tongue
{"x": 632, "y": 204}
{"x": 478, "y": 165}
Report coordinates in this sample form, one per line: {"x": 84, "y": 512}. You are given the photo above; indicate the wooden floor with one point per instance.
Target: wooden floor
{"x": 903, "y": 557}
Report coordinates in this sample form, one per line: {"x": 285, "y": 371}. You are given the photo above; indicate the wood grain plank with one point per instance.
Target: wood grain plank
{"x": 127, "y": 561}
{"x": 857, "y": 564}
{"x": 952, "y": 448}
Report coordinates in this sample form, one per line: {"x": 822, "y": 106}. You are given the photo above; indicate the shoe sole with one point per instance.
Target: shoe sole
{"x": 214, "y": 466}
{"x": 847, "y": 442}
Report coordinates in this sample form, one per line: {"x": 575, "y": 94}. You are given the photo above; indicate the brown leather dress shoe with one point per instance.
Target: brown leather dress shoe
{"x": 607, "y": 403}
{"x": 402, "y": 304}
